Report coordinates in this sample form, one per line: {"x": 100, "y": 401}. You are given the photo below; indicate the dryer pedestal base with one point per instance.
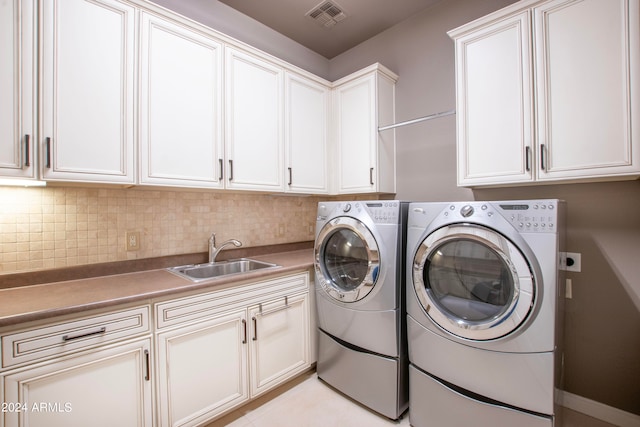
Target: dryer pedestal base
{"x": 435, "y": 404}
{"x": 377, "y": 382}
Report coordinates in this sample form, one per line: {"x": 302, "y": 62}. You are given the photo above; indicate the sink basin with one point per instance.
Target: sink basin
{"x": 207, "y": 271}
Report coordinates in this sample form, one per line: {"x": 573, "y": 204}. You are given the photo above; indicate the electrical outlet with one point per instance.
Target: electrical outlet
{"x": 281, "y": 230}
{"x": 132, "y": 240}
{"x": 574, "y": 262}
{"x": 571, "y": 261}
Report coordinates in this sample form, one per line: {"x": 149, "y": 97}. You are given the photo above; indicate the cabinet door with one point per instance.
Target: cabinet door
{"x": 588, "y": 88}
{"x": 254, "y": 117}
{"x": 306, "y": 126}
{"x": 279, "y": 341}
{"x": 202, "y": 369}
{"x": 180, "y": 106}
{"x": 17, "y": 107}
{"x": 356, "y": 135}
{"x": 105, "y": 388}
{"x": 88, "y": 90}
{"x": 495, "y": 103}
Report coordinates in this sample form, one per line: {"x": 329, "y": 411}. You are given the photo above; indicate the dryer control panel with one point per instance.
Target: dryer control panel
{"x": 535, "y": 216}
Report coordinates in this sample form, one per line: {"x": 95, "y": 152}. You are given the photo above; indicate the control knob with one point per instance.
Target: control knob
{"x": 466, "y": 211}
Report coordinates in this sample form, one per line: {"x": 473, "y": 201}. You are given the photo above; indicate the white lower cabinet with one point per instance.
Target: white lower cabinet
{"x": 213, "y": 351}
{"x": 202, "y": 369}
{"x": 85, "y": 371}
{"x": 218, "y": 350}
{"x": 280, "y": 341}
{"x": 105, "y": 387}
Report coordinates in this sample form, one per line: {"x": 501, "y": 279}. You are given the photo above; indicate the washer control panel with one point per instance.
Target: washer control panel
{"x": 526, "y": 216}
{"x": 381, "y": 212}
{"x": 384, "y": 212}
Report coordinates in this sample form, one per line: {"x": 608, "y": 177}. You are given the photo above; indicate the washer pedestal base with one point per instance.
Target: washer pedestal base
{"x": 377, "y": 382}
{"x": 435, "y": 404}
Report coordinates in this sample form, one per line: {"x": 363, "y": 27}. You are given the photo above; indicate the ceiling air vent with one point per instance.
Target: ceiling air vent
{"x": 327, "y": 14}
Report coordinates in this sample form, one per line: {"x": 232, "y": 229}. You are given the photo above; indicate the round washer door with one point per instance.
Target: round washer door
{"x": 347, "y": 259}
{"x": 473, "y": 282}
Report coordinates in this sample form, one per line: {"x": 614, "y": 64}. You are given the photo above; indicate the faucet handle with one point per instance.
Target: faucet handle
{"x": 212, "y": 239}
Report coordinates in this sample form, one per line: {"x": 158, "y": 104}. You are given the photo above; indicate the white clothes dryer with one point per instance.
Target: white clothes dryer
{"x": 484, "y": 312}
{"x": 359, "y": 275}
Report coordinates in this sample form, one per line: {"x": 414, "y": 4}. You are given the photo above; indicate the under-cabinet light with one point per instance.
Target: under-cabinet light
{"x": 22, "y": 182}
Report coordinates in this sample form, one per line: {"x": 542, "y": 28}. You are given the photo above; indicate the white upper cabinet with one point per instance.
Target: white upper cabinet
{"x": 17, "y": 86}
{"x": 88, "y": 89}
{"x": 180, "y": 106}
{"x": 571, "y": 119}
{"x": 254, "y": 140}
{"x": 131, "y": 93}
{"x": 363, "y": 102}
{"x": 495, "y": 103}
{"x": 588, "y": 88}
{"x": 306, "y": 134}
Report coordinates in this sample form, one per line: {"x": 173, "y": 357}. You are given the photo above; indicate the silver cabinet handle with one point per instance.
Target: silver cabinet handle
{"x": 230, "y": 170}
{"x": 543, "y": 158}
{"x": 290, "y": 177}
{"x": 274, "y": 310}
{"x": 67, "y": 338}
{"x": 527, "y": 158}
{"x": 221, "y": 177}
{"x": 371, "y": 176}
{"x": 27, "y": 150}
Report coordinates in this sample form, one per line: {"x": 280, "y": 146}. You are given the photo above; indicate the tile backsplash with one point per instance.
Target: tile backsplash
{"x": 43, "y": 228}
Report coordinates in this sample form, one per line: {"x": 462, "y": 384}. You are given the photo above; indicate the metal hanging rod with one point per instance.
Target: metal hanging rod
{"x": 418, "y": 120}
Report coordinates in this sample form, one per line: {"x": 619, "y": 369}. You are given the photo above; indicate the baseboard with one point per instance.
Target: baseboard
{"x": 598, "y": 410}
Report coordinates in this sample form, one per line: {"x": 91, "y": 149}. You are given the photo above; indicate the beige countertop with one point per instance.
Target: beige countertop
{"x": 36, "y": 302}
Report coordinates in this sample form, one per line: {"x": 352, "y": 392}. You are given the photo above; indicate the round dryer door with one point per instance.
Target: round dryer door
{"x": 473, "y": 282}
{"x": 346, "y": 259}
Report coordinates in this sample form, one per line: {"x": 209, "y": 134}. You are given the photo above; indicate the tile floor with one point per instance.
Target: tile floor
{"x": 308, "y": 402}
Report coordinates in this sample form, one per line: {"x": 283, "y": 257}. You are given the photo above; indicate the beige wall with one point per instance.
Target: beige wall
{"x": 66, "y": 226}
{"x": 602, "y": 325}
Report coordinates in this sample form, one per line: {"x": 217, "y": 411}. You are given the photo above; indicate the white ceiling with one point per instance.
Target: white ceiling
{"x": 365, "y": 19}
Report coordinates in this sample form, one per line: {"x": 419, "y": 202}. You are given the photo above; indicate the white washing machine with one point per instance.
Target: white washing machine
{"x": 360, "y": 299}
{"x": 484, "y": 312}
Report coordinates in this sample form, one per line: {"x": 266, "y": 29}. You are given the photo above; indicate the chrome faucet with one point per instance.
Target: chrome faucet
{"x": 213, "y": 251}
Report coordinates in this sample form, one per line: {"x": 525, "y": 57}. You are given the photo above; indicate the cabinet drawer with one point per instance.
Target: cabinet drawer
{"x": 203, "y": 306}
{"x": 58, "y": 339}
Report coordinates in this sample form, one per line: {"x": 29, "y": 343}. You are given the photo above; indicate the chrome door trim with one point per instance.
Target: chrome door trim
{"x": 524, "y": 294}
{"x": 373, "y": 256}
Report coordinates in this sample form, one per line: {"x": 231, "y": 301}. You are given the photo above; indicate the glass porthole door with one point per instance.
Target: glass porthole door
{"x": 346, "y": 259}
{"x": 473, "y": 282}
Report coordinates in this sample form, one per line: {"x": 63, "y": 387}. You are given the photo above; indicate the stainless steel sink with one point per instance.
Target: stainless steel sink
{"x": 207, "y": 271}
